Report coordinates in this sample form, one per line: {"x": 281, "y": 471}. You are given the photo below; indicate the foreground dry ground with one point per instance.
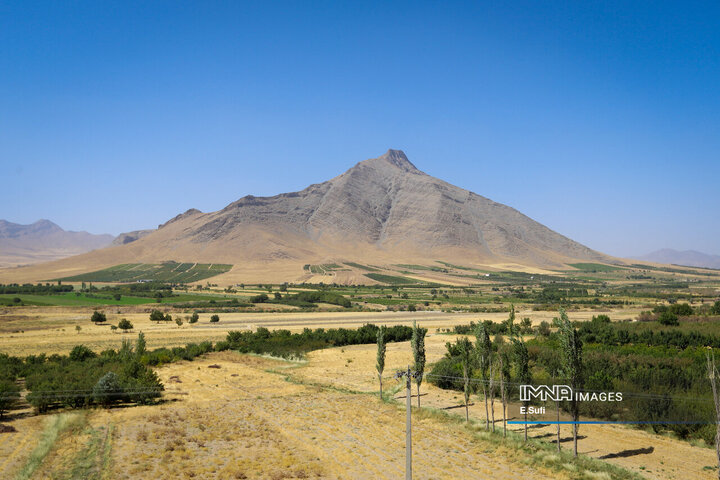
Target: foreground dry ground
{"x": 652, "y": 456}
{"x": 241, "y": 421}
{"x": 244, "y": 421}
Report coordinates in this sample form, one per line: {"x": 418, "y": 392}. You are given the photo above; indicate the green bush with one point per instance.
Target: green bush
{"x": 9, "y": 395}
{"x": 108, "y": 390}
{"x": 98, "y": 317}
{"x": 668, "y": 318}
{"x": 125, "y": 324}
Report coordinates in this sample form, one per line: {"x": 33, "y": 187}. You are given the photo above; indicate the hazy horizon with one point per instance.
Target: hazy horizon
{"x": 601, "y": 122}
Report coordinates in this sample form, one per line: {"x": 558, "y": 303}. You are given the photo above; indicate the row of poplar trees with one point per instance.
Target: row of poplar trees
{"x": 417, "y": 341}
{"x": 495, "y": 367}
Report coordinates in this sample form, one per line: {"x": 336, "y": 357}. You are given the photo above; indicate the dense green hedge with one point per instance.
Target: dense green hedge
{"x": 662, "y": 374}
{"x": 39, "y": 289}
{"x": 283, "y": 343}
{"x": 84, "y": 378}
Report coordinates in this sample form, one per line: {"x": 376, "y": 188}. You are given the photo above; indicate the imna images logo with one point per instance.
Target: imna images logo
{"x": 559, "y": 393}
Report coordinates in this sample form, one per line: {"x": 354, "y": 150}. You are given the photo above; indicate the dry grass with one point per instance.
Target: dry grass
{"x": 35, "y": 330}
{"x": 670, "y": 458}
{"x": 243, "y": 421}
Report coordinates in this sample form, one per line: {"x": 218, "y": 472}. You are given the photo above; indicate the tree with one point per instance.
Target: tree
{"x": 572, "y": 365}
{"x": 715, "y": 309}
{"x": 543, "y": 329}
{"x": 9, "y": 395}
{"x": 125, "y": 325}
{"x": 98, "y": 317}
{"x": 262, "y": 298}
{"x": 157, "y": 316}
{"x": 510, "y": 322}
{"x": 522, "y": 365}
{"x": 117, "y": 297}
{"x": 80, "y": 353}
{"x": 668, "y": 318}
{"x": 178, "y": 321}
{"x": 215, "y": 318}
{"x": 525, "y": 325}
{"x": 140, "y": 345}
{"x": 194, "y": 317}
{"x": 483, "y": 350}
{"x": 465, "y": 349}
{"x": 504, "y": 367}
{"x": 107, "y": 390}
{"x": 381, "y": 347}
{"x": 713, "y": 375}
{"x": 418, "y": 349}
{"x": 78, "y": 328}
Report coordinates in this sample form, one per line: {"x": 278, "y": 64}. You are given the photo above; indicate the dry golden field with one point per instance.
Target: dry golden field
{"x": 34, "y": 330}
{"x": 256, "y": 417}
{"x": 241, "y": 421}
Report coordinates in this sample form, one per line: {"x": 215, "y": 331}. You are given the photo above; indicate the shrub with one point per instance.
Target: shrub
{"x": 194, "y": 318}
{"x": 157, "y": 316}
{"x": 98, "y": 317}
{"x": 543, "y": 329}
{"x": 125, "y": 325}
{"x": 681, "y": 309}
{"x": 9, "y": 395}
{"x": 215, "y": 318}
{"x": 80, "y": 353}
{"x": 668, "y": 318}
{"x": 108, "y": 390}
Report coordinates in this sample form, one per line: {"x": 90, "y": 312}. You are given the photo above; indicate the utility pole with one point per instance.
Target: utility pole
{"x": 409, "y": 375}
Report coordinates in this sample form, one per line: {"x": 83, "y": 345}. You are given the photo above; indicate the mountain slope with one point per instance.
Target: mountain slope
{"x": 382, "y": 210}
{"x": 690, "y": 258}
{"x": 43, "y": 241}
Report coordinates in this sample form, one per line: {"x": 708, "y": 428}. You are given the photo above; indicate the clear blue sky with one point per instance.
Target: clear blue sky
{"x": 599, "y": 119}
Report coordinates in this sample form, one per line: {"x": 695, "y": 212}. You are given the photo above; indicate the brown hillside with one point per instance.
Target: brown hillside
{"x": 381, "y": 211}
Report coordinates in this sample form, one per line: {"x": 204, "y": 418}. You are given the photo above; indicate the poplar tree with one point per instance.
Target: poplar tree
{"x": 418, "y": 349}
{"x": 140, "y": 345}
{"x": 504, "y": 364}
{"x": 483, "y": 350}
{"x": 713, "y": 376}
{"x": 522, "y": 365}
{"x": 572, "y": 365}
{"x": 465, "y": 349}
{"x": 381, "y": 347}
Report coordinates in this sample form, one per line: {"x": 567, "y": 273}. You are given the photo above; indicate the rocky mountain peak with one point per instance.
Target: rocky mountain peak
{"x": 395, "y": 159}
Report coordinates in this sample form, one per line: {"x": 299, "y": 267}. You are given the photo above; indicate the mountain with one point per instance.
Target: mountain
{"x": 689, "y": 258}
{"x": 43, "y": 241}
{"x": 129, "y": 237}
{"x": 381, "y": 211}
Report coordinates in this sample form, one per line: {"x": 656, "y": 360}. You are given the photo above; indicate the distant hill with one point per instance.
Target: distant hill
{"x": 129, "y": 237}
{"x": 382, "y": 211}
{"x": 43, "y": 241}
{"x": 689, "y": 258}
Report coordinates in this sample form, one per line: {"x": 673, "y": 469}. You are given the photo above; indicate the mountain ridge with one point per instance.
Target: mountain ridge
{"x": 689, "y": 258}
{"x": 380, "y": 210}
{"x": 43, "y": 241}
